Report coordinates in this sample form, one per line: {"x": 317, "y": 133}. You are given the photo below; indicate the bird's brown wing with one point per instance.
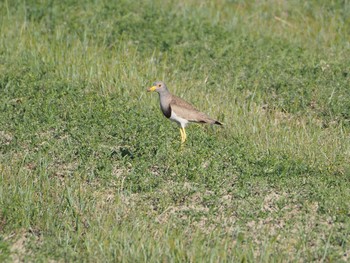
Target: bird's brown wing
{"x": 186, "y": 111}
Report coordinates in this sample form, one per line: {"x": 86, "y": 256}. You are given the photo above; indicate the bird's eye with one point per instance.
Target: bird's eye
{"x": 159, "y": 85}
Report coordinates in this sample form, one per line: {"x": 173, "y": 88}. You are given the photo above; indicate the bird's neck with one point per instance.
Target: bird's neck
{"x": 165, "y": 99}
{"x": 164, "y": 94}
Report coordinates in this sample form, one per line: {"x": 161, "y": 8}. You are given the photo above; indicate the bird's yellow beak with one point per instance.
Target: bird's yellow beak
{"x": 153, "y": 88}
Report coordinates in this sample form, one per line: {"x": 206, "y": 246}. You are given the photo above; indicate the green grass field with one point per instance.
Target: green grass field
{"x": 90, "y": 170}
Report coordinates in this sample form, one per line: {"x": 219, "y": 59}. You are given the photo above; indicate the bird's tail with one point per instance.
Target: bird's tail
{"x": 217, "y": 122}
{"x": 208, "y": 120}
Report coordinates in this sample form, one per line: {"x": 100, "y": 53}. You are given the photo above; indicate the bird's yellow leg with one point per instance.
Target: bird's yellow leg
{"x": 183, "y": 135}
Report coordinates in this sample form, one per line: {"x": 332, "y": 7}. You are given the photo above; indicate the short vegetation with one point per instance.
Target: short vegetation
{"x": 91, "y": 171}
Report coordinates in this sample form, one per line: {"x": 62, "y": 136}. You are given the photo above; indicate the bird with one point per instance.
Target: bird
{"x": 178, "y": 110}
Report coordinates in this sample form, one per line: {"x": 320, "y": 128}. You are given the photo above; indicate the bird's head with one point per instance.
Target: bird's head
{"x": 158, "y": 86}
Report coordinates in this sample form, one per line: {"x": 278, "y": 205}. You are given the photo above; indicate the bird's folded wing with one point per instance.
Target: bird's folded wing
{"x": 185, "y": 110}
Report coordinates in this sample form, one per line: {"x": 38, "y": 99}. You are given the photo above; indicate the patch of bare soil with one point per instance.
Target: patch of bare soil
{"x": 19, "y": 248}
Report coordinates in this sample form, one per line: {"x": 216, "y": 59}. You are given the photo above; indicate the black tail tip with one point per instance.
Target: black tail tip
{"x": 218, "y": 123}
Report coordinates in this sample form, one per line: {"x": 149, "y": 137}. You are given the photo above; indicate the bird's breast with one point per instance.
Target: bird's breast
{"x": 166, "y": 109}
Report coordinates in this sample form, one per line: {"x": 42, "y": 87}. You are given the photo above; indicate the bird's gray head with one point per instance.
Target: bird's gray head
{"x": 158, "y": 86}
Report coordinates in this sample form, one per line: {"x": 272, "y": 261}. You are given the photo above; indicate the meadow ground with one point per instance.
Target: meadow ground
{"x": 91, "y": 171}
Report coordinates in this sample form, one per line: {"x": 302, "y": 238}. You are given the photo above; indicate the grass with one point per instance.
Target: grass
{"x": 91, "y": 171}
